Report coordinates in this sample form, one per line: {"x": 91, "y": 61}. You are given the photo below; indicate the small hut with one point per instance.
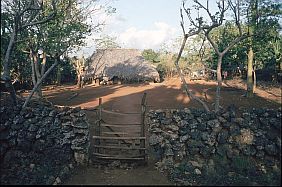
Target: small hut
{"x": 121, "y": 65}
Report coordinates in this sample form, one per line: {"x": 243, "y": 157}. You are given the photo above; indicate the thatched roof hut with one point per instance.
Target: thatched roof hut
{"x": 126, "y": 64}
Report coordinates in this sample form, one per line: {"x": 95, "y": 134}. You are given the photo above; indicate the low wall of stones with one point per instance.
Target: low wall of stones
{"x": 42, "y": 143}
{"x": 192, "y": 144}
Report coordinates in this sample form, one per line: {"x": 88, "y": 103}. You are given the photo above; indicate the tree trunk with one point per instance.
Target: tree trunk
{"x": 78, "y": 81}
{"x": 32, "y": 68}
{"x": 219, "y": 82}
{"x": 250, "y": 81}
{"x": 255, "y": 80}
{"x": 38, "y": 74}
{"x": 39, "y": 82}
{"x": 43, "y": 65}
{"x": 58, "y": 82}
{"x": 6, "y": 68}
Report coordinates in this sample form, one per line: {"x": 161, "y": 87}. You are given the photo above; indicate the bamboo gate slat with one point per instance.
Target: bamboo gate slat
{"x": 120, "y": 141}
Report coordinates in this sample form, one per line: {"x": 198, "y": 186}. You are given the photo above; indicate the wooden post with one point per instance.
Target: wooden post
{"x": 99, "y": 123}
{"x": 143, "y": 112}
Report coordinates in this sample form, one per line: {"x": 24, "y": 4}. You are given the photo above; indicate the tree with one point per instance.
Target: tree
{"x": 263, "y": 27}
{"x": 217, "y": 20}
{"x": 150, "y": 55}
{"x": 79, "y": 64}
{"x": 191, "y": 32}
{"x": 57, "y": 36}
{"x": 107, "y": 42}
{"x": 54, "y": 26}
{"x": 24, "y": 14}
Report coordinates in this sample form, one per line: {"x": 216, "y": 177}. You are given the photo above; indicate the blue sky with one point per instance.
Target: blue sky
{"x": 144, "y": 13}
{"x": 142, "y": 24}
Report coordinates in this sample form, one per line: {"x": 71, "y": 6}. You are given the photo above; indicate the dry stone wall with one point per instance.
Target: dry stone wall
{"x": 198, "y": 148}
{"x": 42, "y": 143}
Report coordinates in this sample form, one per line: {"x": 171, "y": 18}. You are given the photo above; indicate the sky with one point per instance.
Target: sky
{"x": 141, "y": 24}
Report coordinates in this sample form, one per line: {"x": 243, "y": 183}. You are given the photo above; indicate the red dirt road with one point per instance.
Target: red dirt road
{"x": 127, "y": 98}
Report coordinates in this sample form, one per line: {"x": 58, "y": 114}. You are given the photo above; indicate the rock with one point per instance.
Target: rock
{"x": 246, "y": 137}
{"x": 47, "y": 121}
{"x": 183, "y": 138}
{"x": 222, "y": 120}
{"x": 187, "y": 110}
{"x": 173, "y": 127}
{"x": 196, "y": 164}
{"x": 222, "y": 150}
{"x": 42, "y": 132}
{"x": 69, "y": 135}
{"x": 222, "y": 137}
{"x": 31, "y": 166}
{"x": 202, "y": 126}
{"x": 213, "y": 123}
{"x": 234, "y": 130}
{"x": 57, "y": 181}
{"x": 155, "y": 130}
{"x": 53, "y": 113}
{"x": 248, "y": 150}
{"x": 207, "y": 151}
{"x": 278, "y": 143}
{"x": 83, "y": 125}
{"x": 246, "y": 116}
{"x": 260, "y": 154}
{"x": 263, "y": 121}
{"x": 166, "y": 121}
{"x": 271, "y": 149}
{"x": 68, "y": 123}
{"x": 71, "y": 166}
{"x": 80, "y": 158}
{"x": 205, "y": 136}
{"x": 5, "y": 126}
{"x": 195, "y": 134}
{"x": 155, "y": 139}
{"x": 197, "y": 171}
{"x": 17, "y": 120}
{"x": 64, "y": 172}
{"x": 272, "y": 134}
{"x": 33, "y": 128}
{"x": 239, "y": 121}
{"x": 4, "y": 135}
{"x": 226, "y": 116}
{"x": 184, "y": 130}
{"x": 173, "y": 136}
{"x": 169, "y": 152}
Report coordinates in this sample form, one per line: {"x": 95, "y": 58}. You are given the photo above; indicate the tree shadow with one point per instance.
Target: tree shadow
{"x": 126, "y": 97}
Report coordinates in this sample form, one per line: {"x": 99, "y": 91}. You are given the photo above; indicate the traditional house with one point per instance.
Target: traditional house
{"x": 125, "y": 65}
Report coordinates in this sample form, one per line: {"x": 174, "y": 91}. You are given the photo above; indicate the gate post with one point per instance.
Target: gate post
{"x": 143, "y": 112}
{"x": 99, "y": 122}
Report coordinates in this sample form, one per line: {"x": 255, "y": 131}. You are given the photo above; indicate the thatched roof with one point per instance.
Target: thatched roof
{"x": 123, "y": 63}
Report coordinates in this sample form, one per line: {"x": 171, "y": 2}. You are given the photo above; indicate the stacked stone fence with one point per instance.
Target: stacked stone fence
{"x": 191, "y": 145}
{"x": 42, "y": 143}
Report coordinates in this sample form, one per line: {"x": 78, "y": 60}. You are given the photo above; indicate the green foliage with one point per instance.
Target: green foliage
{"x": 65, "y": 31}
{"x": 107, "y": 42}
{"x": 151, "y": 55}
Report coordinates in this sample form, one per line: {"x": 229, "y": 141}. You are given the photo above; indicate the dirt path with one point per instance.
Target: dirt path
{"x": 142, "y": 175}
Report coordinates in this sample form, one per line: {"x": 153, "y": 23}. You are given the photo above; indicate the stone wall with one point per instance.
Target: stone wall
{"x": 42, "y": 143}
{"x": 198, "y": 148}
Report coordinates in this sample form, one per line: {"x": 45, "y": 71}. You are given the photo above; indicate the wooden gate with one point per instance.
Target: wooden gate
{"x": 120, "y": 141}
